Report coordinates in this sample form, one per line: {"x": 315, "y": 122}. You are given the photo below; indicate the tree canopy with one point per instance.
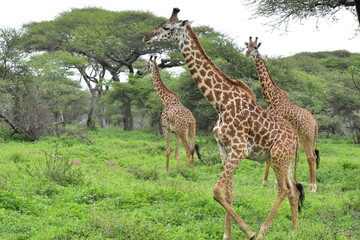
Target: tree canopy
{"x": 285, "y": 11}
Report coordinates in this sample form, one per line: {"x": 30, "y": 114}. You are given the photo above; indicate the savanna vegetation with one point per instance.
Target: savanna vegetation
{"x": 82, "y": 152}
{"x": 111, "y": 184}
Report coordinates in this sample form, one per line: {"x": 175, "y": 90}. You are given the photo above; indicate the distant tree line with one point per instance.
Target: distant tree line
{"x": 85, "y": 66}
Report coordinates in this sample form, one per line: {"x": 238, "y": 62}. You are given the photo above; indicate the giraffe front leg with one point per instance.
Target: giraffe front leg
{"x": 223, "y": 181}
{"x": 229, "y": 197}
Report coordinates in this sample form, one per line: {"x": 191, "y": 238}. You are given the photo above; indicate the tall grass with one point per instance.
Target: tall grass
{"x": 114, "y": 186}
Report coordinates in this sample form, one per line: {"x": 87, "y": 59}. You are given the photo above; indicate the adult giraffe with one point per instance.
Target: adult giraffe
{"x": 175, "y": 118}
{"x": 278, "y": 102}
{"x": 244, "y": 128}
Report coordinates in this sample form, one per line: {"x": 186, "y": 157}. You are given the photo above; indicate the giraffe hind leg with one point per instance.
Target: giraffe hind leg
{"x": 282, "y": 193}
{"x": 177, "y": 143}
{"x": 266, "y": 174}
{"x": 167, "y": 143}
{"x": 189, "y": 151}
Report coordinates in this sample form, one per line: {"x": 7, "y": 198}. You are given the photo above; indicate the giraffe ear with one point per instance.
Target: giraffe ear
{"x": 259, "y": 45}
{"x": 246, "y": 44}
{"x": 185, "y": 23}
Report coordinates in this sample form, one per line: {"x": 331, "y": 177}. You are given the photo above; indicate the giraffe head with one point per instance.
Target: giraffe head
{"x": 252, "y": 47}
{"x": 172, "y": 29}
{"x": 150, "y": 65}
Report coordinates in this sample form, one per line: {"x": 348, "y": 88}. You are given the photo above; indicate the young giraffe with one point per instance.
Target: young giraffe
{"x": 175, "y": 118}
{"x": 244, "y": 128}
{"x": 277, "y": 99}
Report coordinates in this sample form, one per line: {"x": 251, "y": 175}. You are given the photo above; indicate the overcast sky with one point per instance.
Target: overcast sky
{"x": 230, "y": 17}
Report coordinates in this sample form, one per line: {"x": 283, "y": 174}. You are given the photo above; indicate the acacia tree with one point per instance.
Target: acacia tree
{"x": 109, "y": 41}
{"x": 285, "y": 11}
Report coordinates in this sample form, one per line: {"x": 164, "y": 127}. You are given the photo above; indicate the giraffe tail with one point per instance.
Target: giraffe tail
{"x": 298, "y": 185}
{"x": 197, "y": 150}
{"x": 300, "y": 188}
{"x": 317, "y": 152}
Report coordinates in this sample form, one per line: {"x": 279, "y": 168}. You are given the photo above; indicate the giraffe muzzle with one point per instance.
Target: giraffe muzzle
{"x": 147, "y": 40}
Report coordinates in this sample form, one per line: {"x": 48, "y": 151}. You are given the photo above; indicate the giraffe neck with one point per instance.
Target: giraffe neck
{"x": 216, "y": 86}
{"x": 162, "y": 91}
{"x": 270, "y": 91}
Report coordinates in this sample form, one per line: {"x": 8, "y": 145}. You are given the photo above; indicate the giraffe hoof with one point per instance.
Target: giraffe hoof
{"x": 252, "y": 236}
{"x": 260, "y": 237}
{"x": 313, "y": 188}
{"x": 264, "y": 184}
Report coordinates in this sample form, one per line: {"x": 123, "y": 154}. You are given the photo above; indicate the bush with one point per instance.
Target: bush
{"x": 57, "y": 169}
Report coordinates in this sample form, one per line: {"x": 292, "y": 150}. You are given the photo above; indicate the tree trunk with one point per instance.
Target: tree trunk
{"x": 128, "y": 117}
{"x": 103, "y": 122}
{"x": 89, "y": 121}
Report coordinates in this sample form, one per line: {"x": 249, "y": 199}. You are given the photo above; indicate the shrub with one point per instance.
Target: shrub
{"x": 57, "y": 169}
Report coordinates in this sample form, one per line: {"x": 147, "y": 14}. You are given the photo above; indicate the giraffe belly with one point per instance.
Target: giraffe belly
{"x": 260, "y": 157}
{"x": 171, "y": 127}
{"x": 257, "y": 154}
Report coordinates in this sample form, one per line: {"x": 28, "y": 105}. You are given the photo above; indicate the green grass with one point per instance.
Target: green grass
{"x": 116, "y": 188}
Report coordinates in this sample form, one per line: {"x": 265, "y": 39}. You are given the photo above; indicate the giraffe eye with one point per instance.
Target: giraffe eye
{"x": 166, "y": 28}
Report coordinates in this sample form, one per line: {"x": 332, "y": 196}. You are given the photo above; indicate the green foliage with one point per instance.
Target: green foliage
{"x": 10, "y": 202}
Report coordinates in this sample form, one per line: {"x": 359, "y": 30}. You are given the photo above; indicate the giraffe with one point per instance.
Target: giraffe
{"x": 244, "y": 129}
{"x": 175, "y": 118}
{"x": 278, "y": 102}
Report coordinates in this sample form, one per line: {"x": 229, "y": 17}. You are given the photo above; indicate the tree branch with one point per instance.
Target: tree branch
{"x": 329, "y": 226}
{"x": 14, "y": 127}
{"x": 347, "y": 229}
{"x": 167, "y": 63}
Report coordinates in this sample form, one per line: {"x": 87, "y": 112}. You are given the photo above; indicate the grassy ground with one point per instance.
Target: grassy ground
{"x": 111, "y": 184}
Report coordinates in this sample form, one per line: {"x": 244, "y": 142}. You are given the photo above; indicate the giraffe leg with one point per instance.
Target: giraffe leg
{"x": 282, "y": 192}
{"x": 167, "y": 142}
{"x": 293, "y": 196}
{"x": 177, "y": 143}
{"x": 189, "y": 153}
{"x": 311, "y": 158}
{"x": 228, "y": 172}
{"x": 229, "y": 196}
{"x": 192, "y": 133}
{"x": 266, "y": 174}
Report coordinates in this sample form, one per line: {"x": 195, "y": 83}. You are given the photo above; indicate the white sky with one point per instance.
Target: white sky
{"x": 231, "y": 17}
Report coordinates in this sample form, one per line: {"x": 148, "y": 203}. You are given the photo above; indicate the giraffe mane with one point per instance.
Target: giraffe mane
{"x": 161, "y": 80}
{"x": 271, "y": 79}
{"x": 238, "y": 82}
